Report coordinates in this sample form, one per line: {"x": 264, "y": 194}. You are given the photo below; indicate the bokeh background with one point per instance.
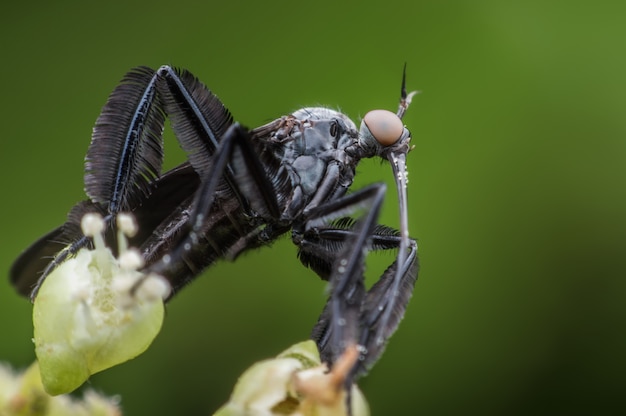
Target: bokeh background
{"x": 517, "y": 191}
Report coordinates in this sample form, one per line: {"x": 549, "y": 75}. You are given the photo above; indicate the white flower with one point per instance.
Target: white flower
{"x": 85, "y": 316}
{"x": 296, "y": 383}
{"x": 21, "y": 393}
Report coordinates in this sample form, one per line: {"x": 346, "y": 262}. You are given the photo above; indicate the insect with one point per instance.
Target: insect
{"x": 242, "y": 189}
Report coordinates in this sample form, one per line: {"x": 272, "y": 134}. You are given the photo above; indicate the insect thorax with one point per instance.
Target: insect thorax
{"x": 309, "y": 144}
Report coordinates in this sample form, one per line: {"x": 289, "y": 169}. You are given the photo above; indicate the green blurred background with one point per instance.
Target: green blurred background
{"x": 517, "y": 192}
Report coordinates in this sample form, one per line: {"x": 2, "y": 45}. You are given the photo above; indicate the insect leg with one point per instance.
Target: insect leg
{"x": 200, "y": 122}
{"x": 382, "y": 297}
{"x": 337, "y": 252}
{"x": 247, "y": 171}
{"x": 123, "y": 160}
{"x": 339, "y": 323}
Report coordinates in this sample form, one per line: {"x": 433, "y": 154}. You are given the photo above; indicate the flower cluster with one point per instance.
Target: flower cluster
{"x": 95, "y": 311}
{"x": 296, "y": 383}
{"x": 21, "y": 393}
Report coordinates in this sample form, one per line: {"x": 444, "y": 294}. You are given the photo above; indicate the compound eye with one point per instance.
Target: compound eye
{"x": 385, "y": 126}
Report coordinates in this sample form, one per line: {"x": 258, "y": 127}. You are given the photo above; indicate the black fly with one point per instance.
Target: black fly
{"x": 242, "y": 189}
